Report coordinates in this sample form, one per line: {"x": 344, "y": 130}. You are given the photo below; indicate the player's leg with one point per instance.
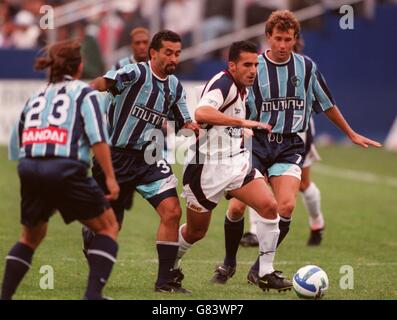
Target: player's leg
{"x": 311, "y": 198}
{"x": 167, "y": 245}
{"x": 257, "y": 195}
{"x": 285, "y": 188}
{"x": 19, "y": 258}
{"x": 102, "y": 252}
{"x": 250, "y": 239}
{"x": 233, "y": 231}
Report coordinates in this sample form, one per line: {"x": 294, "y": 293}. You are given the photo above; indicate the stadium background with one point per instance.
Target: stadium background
{"x": 358, "y": 186}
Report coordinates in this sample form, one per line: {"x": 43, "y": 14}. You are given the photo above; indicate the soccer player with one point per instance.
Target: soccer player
{"x": 145, "y": 93}
{"x": 140, "y": 39}
{"x": 282, "y": 97}
{"x": 52, "y": 140}
{"x": 224, "y": 165}
{"x": 310, "y": 193}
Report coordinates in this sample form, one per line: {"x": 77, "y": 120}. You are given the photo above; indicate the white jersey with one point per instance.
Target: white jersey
{"x": 223, "y": 94}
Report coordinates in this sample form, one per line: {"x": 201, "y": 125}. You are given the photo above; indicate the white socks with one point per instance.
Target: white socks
{"x": 312, "y": 200}
{"x": 268, "y": 233}
{"x": 183, "y": 248}
{"x": 254, "y": 217}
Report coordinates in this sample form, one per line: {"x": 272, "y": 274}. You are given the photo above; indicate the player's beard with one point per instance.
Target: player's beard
{"x": 170, "y": 69}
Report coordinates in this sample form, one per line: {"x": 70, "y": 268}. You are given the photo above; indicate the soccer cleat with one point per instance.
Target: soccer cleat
{"x": 97, "y": 298}
{"x": 249, "y": 240}
{"x": 253, "y": 277}
{"x": 276, "y": 281}
{"x": 178, "y": 276}
{"x": 316, "y": 236}
{"x": 171, "y": 286}
{"x": 223, "y": 273}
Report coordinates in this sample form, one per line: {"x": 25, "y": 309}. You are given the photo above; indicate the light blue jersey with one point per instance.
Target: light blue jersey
{"x": 142, "y": 102}
{"x": 62, "y": 120}
{"x": 283, "y": 93}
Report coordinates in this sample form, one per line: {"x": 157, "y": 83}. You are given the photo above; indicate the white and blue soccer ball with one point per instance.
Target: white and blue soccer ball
{"x": 310, "y": 282}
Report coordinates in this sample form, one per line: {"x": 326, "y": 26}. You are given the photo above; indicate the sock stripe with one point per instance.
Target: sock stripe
{"x": 285, "y": 219}
{"x": 170, "y": 243}
{"x": 102, "y": 253}
{"x": 19, "y": 260}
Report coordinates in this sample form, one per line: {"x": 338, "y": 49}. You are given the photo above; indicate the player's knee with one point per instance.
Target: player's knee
{"x": 109, "y": 225}
{"x": 236, "y": 211}
{"x": 304, "y": 185}
{"x": 268, "y": 209}
{"x": 196, "y": 233}
{"x": 286, "y": 208}
{"x": 172, "y": 216}
{"x": 33, "y": 239}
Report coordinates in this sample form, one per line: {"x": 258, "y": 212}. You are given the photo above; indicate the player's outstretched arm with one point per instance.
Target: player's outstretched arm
{"x": 337, "y": 118}
{"x": 211, "y": 116}
{"x": 102, "y": 155}
{"x": 102, "y": 84}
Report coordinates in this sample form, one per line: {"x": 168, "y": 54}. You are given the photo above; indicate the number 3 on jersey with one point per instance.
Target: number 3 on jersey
{"x": 57, "y": 116}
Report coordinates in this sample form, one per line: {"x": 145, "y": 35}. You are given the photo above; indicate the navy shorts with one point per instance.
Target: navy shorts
{"x": 277, "y": 154}
{"x": 155, "y": 182}
{"x": 63, "y": 184}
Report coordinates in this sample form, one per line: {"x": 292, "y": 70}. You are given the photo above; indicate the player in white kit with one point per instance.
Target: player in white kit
{"x": 220, "y": 165}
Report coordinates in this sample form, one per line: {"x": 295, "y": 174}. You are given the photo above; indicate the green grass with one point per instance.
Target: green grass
{"x": 360, "y": 232}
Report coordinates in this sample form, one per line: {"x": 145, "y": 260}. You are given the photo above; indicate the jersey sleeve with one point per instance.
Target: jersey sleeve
{"x": 15, "y": 142}
{"x": 213, "y": 98}
{"x": 179, "y": 109}
{"x": 322, "y": 94}
{"x": 94, "y": 119}
{"x": 124, "y": 76}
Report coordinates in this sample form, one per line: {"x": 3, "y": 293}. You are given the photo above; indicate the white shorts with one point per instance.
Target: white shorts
{"x": 205, "y": 184}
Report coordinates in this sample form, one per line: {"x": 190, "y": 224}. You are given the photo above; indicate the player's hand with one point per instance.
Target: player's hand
{"x": 192, "y": 126}
{"x": 256, "y": 125}
{"x": 363, "y": 141}
{"x": 113, "y": 188}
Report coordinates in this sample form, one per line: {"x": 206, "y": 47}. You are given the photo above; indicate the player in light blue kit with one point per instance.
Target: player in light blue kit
{"x": 282, "y": 96}
{"x": 145, "y": 94}
{"x": 52, "y": 140}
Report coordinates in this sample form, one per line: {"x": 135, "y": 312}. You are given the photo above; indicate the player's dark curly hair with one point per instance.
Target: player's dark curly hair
{"x": 241, "y": 46}
{"x": 164, "y": 35}
{"x": 282, "y": 20}
{"x": 62, "y": 58}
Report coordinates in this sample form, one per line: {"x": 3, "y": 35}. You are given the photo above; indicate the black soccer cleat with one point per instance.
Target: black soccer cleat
{"x": 171, "y": 287}
{"x": 276, "y": 281}
{"x": 177, "y": 276}
{"x": 315, "y": 238}
{"x": 253, "y": 277}
{"x": 249, "y": 240}
{"x": 223, "y": 273}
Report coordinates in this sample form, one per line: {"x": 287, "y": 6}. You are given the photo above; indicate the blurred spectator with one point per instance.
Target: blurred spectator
{"x": 259, "y": 10}
{"x": 218, "y": 19}
{"x": 91, "y": 54}
{"x": 26, "y": 31}
{"x": 172, "y": 13}
{"x": 132, "y": 18}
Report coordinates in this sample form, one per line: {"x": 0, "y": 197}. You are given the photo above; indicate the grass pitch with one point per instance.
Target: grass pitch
{"x": 359, "y": 201}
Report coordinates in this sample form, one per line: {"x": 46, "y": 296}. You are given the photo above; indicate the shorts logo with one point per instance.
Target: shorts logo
{"x": 194, "y": 207}
{"x": 296, "y": 81}
{"x": 52, "y": 135}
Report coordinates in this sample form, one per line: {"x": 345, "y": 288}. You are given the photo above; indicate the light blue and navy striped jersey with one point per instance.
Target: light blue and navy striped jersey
{"x": 123, "y": 62}
{"x": 142, "y": 103}
{"x": 61, "y": 120}
{"x": 283, "y": 93}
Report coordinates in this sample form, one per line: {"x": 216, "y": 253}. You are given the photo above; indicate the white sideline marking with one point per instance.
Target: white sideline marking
{"x": 361, "y": 176}
{"x": 248, "y": 263}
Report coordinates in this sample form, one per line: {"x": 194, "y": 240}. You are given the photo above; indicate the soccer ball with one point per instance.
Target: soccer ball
{"x": 310, "y": 282}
